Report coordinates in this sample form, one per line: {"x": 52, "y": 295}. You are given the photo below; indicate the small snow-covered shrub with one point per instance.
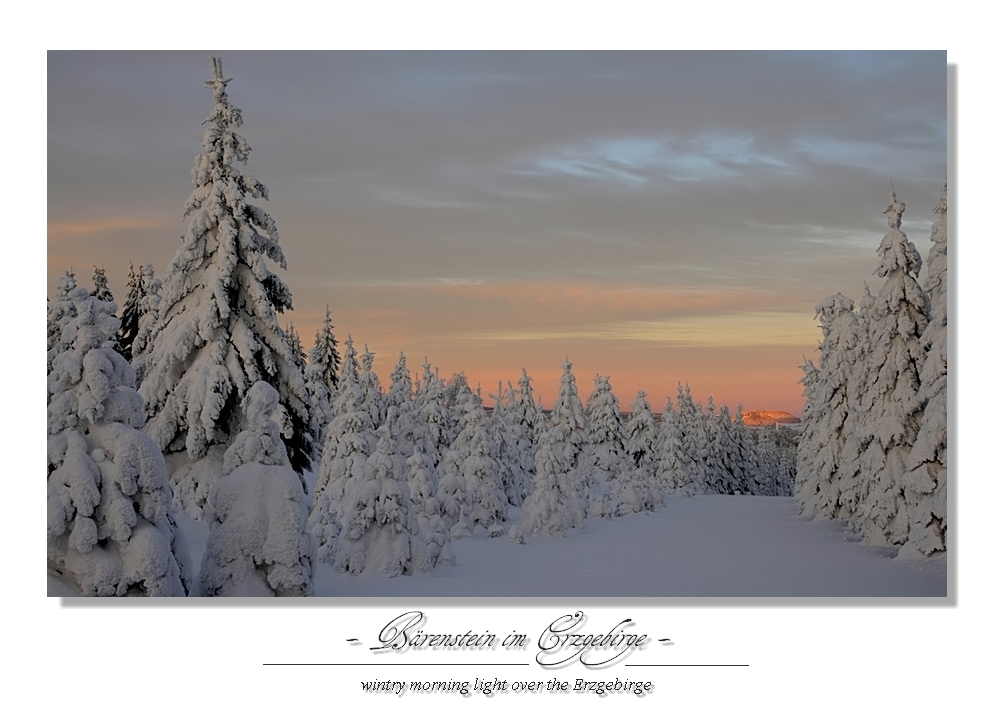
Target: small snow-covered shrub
{"x": 258, "y": 544}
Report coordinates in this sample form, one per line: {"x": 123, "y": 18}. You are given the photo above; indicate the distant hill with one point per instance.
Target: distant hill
{"x": 768, "y": 417}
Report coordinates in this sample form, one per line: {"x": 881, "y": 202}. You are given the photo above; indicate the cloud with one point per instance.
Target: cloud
{"x": 634, "y": 161}
{"x": 448, "y": 199}
{"x": 80, "y": 228}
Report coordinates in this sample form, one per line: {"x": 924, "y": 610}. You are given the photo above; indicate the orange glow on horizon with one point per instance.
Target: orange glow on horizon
{"x": 643, "y": 337}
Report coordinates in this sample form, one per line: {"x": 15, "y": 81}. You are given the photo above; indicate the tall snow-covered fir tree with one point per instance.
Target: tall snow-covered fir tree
{"x": 874, "y": 444}
{"x": 811, "y": 440}
{"x": 926, "y": 483}
{"x": 852, "y": 482}
{"x": 640, "y": 434}
{"x": 892, "y": 399}
{"x": 569, "y": 419}
{"x": 217, "y": 331}
{"x": 713, "y": 470}
{"x": 671, "y": 466}
{"x": 605, "y": 450}
{"x": 321, "y": 378}
{"x": 400, "y": 408}
{"x": 110, "y": 523}
{"x": 607, "y": 433}
{"x": 527, "y": 423}
{"x": 149, "y": 307}
{"x": 350, "y": 440}
{"x": 131, "y": 312}
{"x": 371, "y": 388}
{"x": 693, "y": 445}
{"x": 423, "y": 483}
{"x": 325, "y": 353}
{"x": 507, "y": 441}
{"x": 295, "y": 342}
{"x": 433, "y": 413}
{"x": 470, "y": 488}
{"x": 743, "y": 441}
{"x": 821, "y": 494}
{"x": 636, "y": 489}
{"x": 731, "y": 464}
{"x": 559, "y": 496}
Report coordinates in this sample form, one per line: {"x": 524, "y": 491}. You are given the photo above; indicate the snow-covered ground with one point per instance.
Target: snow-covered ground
{"x": 702, "y": 546}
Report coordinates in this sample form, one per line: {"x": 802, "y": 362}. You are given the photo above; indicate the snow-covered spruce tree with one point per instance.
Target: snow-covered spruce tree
{"x": 568, "y": 418}
{"x": 611, "y": 492}
{"x": 893, "y": 402}
{"x": 423, "y": 483}
{"x": 484, "y": 493}
{"x": 766, "y": 450}
{"x": 60, "y": 308}
{"x": 925, "y": 485}
{"x": 320, "y": 405}
{"x": 434, "y": 414}
{"x": 746, "y": 453}
{"x": 379, "y": 524}
{"x": 101, "y": 289}
{"x": 787, "y": 442}
{"x": 606, "y": 444}
{"x": 456, "y": 388}
{"x": 149, "y": 305}
{"x": 546, "y": 510}
{"x": 451, "y": 482}
{"x": 371, "y": 388}
{"x": 506, "y": 432}
{"x": 400, "y": 407}
{"x": 559, "y": 496}
{"x": 295, "y": 343}
{"x": 217, "y": 331}
{"x": 693, "y": 447}
{"x": 350, "y": 440}
{"x": 110, "y": 524}
{"x": 131, "y": 313}
{"x": 837, "y": 351}
{"x": 470, "y": 489}
{"x": 811, "y": 439}
{"x": 527, "y": 423}
{"x": 713, "y": 470}
{"x": 730, "y": 460}
{"x": 257, "y": 539}
{"x": 321, "y": 372}
{"x": 852, "y": 482}
{"x": 640, "y": 433}
{"x": 325, "y": 354}
{"x": 671, "y": 469}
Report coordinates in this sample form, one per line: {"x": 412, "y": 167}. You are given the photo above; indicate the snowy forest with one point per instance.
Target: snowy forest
{"x": 192, "y": 400}
{"x": 874, "y": 447}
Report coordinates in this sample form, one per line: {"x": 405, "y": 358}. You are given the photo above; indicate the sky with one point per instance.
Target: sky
{"x": 659, "y": 217}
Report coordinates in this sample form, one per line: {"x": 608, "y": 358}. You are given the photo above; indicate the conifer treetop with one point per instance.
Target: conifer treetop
{"x": 898, "y": 255}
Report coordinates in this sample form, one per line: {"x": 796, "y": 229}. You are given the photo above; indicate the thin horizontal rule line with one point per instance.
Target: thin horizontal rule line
{"x": 447, "y": 664}
{"x": 395, "y": 664}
